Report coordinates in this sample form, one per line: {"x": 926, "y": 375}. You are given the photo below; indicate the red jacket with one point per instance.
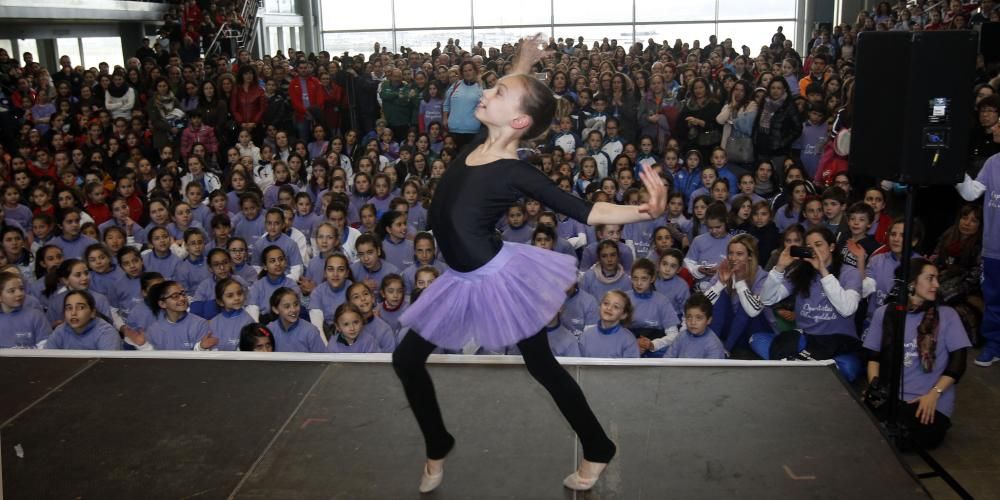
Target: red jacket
{"x": 204, "y": 135}
{"x": 248, "y": 106}
{"x": 43, "y": 170}
{"x": 335, "y": 100}
{"x": 100, "y": 212}
{"x": 134, "y": 207}
{"x": 316, "y": 95}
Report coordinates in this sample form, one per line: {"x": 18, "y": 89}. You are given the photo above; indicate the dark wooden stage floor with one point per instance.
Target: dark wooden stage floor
{"x": 178, "y": 428}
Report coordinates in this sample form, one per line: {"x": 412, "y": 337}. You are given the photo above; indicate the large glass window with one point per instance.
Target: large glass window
{"x": 620, "y": 32}
{"x": 68, "y": 47}
{"x": 30, "y": 45}
{"x": 495, "y": 37}
{"x": 372, "y": 14}
{"x": 687, "y": 32}
{"x": 754, "y": 35}
{"x": 651, "y": 11}
{"x": 591, "y": 11}
{"x": 102, "y": 49}
{"x": 425, "y": 40}
{"x": 272, "y": 40}
{"x": 757, "y": 9}
{"x": 511, "y": 13}
{"x": 356, "y": 43}
{"x": 420, "y": 25}
{"x": 419, "y": 14}
{"x": 286, "y": 33}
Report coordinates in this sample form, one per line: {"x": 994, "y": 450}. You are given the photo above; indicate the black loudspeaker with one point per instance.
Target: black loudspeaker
{"x": 989, "y": 38}
{"x": 913, "y": 105}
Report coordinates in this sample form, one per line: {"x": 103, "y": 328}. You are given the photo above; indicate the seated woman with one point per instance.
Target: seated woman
{"x": 826, "y": 294}
{"x": 934, "y": 351}
{"x": 882, "y": 266}
{"x": 959, "y": 257}
{"x": 735, "y": 294}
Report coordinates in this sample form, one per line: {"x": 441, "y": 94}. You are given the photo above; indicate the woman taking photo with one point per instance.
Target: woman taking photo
{"x": 826, "y": 293}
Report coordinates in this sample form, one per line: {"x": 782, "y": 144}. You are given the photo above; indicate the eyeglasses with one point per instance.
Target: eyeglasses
{"x": 175, "y": 295}
{"x": 219, "y": 263}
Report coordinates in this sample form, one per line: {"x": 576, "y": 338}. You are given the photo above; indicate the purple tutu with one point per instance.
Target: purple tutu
{"x": 508, "y": 299}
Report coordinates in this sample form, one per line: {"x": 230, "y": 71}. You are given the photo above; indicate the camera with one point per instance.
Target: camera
{"x": 800, "y": 252}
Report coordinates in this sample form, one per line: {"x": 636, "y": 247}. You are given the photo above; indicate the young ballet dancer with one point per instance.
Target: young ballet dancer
{"x": 497, "y": 293}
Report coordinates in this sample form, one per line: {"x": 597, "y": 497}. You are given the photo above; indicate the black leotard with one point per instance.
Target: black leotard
{"x": 469, "y": 201}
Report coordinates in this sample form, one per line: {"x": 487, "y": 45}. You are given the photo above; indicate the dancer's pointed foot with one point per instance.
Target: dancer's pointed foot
{"x": 433, "y": 475}
{"x": 585, "y": 476}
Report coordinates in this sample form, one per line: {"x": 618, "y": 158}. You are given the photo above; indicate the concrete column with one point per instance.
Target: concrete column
{"x": 311, "y": 23}
{"x": 46, "y": 55}
{"x": 132, "y": 35}
{"x": 849, "y": 9}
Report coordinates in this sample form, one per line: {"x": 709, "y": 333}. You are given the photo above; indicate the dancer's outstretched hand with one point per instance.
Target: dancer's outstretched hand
{"x": 529, "y": 51}
{"x": 657, "y": 203}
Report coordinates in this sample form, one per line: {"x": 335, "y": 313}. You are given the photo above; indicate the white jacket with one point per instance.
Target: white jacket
{"x": 120, "y": 107}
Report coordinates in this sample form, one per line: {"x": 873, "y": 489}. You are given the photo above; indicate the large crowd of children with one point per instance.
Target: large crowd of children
{"x": 280, "y": 204}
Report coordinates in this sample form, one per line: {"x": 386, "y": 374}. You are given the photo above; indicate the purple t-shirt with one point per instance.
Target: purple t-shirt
{"x": 641, "y": 235}
{"x": 591, "y": 284}
{"x": 563, "y": 342}
{"x": 105, "y": 282}
{"x": 652, "y": 310}
{"x": 589, "y": 255}
{"x": 617, "y": 342}
{"x": 226, "y": 326}
{"x": 708, "y": 251}
{"x": 675, "y": 289}
{"x": 180, "y": 336}
{"x": 951, "y": 337}
{"x": 882, "y": 269}
{"x": 410, "y": 273}
{"x": 989, "y": 176}
{"x": 327, "y": 299}
{"x": 361, "y": 273}
{"x": 99, "y": 335}
{"x": 816, "y": 315}
{"x": 518, "y": 234}
{"x": 398, "y": 254}
{"x": 365, "y": 343}
{"x": 73, "y": 249}
{"x": 23, "y": 328}
{"x": 301, "y": 336}
{"x": 165, "y": 265}
{"x": 784, "y": 221}
{"x": 704, "y": 346}
{"x": 579, "y": 311}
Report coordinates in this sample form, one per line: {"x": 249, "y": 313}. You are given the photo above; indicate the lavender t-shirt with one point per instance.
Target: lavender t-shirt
{"x": 816, "y": 315}
{"x": 989, "y": 176}
{"x": 951, "y": 337}
{"x": 707, "y": 250}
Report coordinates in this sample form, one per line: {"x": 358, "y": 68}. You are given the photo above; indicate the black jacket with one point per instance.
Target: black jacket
{"x": 786, "y": 126}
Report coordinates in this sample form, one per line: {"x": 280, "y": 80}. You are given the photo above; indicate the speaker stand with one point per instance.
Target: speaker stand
{"x": 894, "y": 428}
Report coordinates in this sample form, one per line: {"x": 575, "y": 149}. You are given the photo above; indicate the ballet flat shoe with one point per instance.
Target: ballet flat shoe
{"x": 578, "y": 483}
{"x": 428, "y": 482}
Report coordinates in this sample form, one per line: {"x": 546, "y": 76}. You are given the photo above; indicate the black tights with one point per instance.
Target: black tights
{"x": 409, "y": 361}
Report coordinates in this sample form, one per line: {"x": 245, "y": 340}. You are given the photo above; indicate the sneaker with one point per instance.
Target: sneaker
{"x": 986, "y": 358}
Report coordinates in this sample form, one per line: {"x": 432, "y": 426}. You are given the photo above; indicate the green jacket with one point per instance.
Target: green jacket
{"x": 397, "y": 105}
